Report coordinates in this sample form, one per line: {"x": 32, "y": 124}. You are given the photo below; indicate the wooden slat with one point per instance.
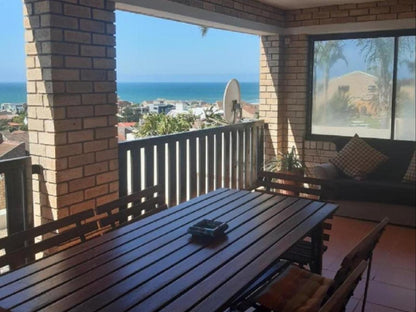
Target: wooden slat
{"x": 149, "y": 166}
{"x": 192, "y": 168}
{"x": 260, "y": 149}
{"x": 172, "y": 176}
{"x": 202, "y": 164}
{"x": 227, "y": 164}
{"x": 254, "y": 156}
{"x": 122, "y": 172}
{"x": 136, "y": 170}
{"x": 161, "y": 167}
{"x": 248, "y": 157}
{"x": 218, "y": 160}
{"x": 234, "y": 164}
{"x": 240, "y": 157}
{"x": 211, "y": 162}
{"x": 183, "y": 171}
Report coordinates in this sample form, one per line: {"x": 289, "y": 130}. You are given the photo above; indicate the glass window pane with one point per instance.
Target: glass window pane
{"x": 405, "y": 126}
{"x": 352, "y": 87}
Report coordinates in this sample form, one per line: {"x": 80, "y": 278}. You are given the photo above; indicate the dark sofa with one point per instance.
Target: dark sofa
{"x": 384, "y": 186}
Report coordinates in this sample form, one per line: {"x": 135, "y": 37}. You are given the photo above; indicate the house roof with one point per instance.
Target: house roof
{"x": 17, "y": 136}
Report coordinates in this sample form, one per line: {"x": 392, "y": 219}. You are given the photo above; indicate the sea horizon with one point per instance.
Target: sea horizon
{"x": 137, "y": 92}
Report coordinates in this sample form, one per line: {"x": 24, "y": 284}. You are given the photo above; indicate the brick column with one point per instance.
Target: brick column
{"x": 70, "y": 48}
{"x": 270, "y": 108}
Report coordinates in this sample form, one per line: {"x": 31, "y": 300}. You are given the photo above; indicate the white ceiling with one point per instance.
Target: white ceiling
{"x": 301, "y": 4}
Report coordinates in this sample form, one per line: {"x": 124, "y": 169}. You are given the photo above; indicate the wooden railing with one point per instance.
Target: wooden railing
{"x": 193, "y": 163}
{"x": 17, "y": 173}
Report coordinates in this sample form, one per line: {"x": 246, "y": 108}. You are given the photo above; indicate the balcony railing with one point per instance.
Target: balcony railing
{"x": 193, "y": 163}
{"x": 17, "y": 175}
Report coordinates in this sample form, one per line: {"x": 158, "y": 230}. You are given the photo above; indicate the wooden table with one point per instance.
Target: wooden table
{"x": 154, "y": 265}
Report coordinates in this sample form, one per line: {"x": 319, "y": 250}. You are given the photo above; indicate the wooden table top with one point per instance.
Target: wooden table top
{"x": 154, "y": 265}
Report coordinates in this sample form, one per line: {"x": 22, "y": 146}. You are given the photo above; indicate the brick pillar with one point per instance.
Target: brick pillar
{"x": 270, "y": 108}
{"x": 70, "y": 48}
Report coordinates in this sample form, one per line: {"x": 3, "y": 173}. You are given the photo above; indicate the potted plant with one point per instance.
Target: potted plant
{"x": 287, "y": 163}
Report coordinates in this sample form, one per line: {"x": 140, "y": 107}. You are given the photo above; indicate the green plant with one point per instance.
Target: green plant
{"x": 213, "y": 118}
{"x": 161, "y": 124}
{"x": 288, "y": 161}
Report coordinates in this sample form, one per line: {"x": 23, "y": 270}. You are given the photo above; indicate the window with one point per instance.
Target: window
{"x": 363, "y": 85}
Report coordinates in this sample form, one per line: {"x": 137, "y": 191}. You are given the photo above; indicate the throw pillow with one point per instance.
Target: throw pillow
{"x": 410, "y": 175}
{"x": 357, "y": 158}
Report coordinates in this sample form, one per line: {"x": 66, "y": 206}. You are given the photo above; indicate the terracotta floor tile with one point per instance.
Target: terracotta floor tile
{"x": 392, "y": 280}
{"x": 392, "y": 296}
{"x": 394, "y": 276}
{"x": 371, "y": 307}
{"x": 351, "y": 305}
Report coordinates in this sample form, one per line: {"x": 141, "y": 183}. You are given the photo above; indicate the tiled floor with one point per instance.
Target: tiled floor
{"x": 393, "y": 276}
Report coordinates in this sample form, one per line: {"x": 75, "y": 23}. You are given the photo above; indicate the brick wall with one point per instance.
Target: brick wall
{"x": 245, "y": 9}
{"x": 285, "y": 71}
{"x": 70, "y": 48}
{"x": 350, "y": 13}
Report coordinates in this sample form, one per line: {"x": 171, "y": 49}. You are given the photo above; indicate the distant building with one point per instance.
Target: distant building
{"x": 13, "y": 108}
{"x": 11, "y": 149}
{"x": 16, "y": 137}
{"x": 360, "y": 87}
{"x": 121, "y": 105}
{"x": 160, "y": 108}
{"x": 123, "y": 129}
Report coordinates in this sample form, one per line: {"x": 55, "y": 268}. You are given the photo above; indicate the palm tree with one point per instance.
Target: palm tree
{"x": 204, "y": 30}
{"x": 327, "y": 53}
{"x": 378, "y": 54}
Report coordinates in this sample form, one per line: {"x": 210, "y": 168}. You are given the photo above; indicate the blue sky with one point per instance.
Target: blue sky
{"x": 149, "y": 50}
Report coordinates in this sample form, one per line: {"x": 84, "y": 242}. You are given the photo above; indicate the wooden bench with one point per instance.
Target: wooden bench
{"x": 132, "y": 207}
{"x": 21, "y": 248}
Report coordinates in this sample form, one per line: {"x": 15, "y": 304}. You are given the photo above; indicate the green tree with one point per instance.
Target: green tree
{"x": 327, "y": 53}
{"x": 130, "y": 115}
{"x": 161, "y": 124}
{"x": 378, "y": 55}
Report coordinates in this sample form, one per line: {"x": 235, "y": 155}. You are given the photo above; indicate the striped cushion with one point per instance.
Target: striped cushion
{"x": 410, "y": 175}
{"x": 295, "y": 290}
{"x": 357, "y": 159}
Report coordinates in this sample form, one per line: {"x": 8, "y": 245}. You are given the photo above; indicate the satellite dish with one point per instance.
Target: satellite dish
{"x": 231, "y": 101}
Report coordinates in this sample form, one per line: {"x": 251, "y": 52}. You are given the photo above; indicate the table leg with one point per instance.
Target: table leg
{"x": 317, "y": 248}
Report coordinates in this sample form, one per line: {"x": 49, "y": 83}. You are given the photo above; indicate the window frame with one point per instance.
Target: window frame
{"x": 395, "y": 34}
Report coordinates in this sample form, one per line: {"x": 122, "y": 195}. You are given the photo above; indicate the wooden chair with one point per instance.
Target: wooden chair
{"x": 300, "y": 186}
{"x": 132, "y": 207}
{"x": 295, "y": 287}
{"x": 339, "y": 299}
{"x": 21, "y": 248}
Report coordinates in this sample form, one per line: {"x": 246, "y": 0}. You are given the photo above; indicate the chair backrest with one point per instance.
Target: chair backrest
{"x": 21, "y": 248}
{"x": 339, "y": 299}
{"x": 362, "y": 251}
{"x": 289, "y": 184}
{"x": 132, "y": 207}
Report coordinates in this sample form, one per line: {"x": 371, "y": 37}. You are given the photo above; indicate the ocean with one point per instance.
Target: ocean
{"x": 15, "y": 92}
